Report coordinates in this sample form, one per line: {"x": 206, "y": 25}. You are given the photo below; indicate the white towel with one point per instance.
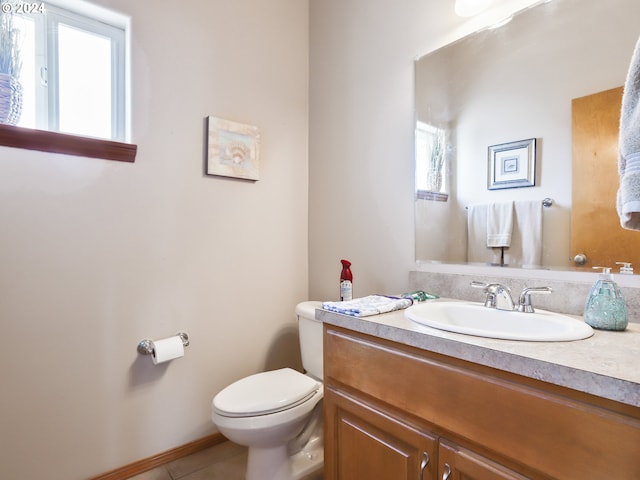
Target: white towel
{"x": 526, "y": 246}
{"x": 365, "y": 306}
{"x": 628, "y": 199}
{"x": 477, "y": 250}
{"x": 499, "y": 224}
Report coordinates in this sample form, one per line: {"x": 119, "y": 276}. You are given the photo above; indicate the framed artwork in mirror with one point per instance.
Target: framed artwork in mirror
{"x": 512, "y": 165}
{"x": 232, "y": 149}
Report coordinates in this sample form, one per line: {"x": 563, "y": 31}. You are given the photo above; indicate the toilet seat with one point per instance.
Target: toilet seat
{"x": 265, "y": 393}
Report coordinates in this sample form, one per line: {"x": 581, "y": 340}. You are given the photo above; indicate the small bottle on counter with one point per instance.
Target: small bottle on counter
{"x": 346, "y": 281}
{"x": 420, "y": 296}
{"x": 605, "y": 307}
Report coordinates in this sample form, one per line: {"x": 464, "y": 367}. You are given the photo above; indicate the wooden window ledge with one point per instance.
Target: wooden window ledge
{"x": 54, "y": 142}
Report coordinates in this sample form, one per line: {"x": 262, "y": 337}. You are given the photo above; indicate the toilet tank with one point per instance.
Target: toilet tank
{"x": 310, "y": 335}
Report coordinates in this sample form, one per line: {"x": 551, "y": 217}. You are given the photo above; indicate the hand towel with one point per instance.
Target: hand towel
{"x": 477, "y": 250}
{"x": 526, "y": 247}
{"x": 628, "y": 199}
{"x": 499, "y": 224}
{"x": 366, "y": 306}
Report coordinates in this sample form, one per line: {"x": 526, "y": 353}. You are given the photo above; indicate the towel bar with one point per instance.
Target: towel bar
{"x": 546, "y": 202}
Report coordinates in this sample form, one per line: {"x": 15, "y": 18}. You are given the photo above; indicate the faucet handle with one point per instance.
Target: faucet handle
{"x": 524, "y": 302}
{"x": 490, "y": 300}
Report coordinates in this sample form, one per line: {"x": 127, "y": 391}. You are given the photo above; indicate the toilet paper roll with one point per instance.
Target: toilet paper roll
{"x": 167, "y": 349}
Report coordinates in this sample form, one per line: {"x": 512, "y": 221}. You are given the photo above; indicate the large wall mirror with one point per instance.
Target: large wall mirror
{"x": 509, "y": 84}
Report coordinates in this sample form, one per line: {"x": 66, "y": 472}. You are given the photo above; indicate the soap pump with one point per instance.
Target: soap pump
{"x": 605, "y": 308}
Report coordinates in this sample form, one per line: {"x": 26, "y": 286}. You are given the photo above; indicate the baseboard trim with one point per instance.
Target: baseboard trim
{"x": 141, "y": 466}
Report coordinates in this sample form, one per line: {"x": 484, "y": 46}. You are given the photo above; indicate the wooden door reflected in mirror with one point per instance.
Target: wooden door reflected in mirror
{"x": 595, "y": 225}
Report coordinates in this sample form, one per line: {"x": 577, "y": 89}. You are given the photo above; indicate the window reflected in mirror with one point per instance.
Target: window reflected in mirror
{"x": 431, "y": 162}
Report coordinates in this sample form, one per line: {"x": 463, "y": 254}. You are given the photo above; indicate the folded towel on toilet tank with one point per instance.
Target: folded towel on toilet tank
{"x": 366, "y": 306}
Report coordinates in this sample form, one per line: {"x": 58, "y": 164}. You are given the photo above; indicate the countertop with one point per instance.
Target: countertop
{"x": 606, "y": 364}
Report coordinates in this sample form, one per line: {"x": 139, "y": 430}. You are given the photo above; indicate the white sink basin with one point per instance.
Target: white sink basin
{"x": 478, "y": 320}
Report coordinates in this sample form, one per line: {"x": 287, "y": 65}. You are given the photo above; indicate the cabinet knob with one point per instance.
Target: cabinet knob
{"x": 447, "y": 471}
{"x": 423, "y": 464}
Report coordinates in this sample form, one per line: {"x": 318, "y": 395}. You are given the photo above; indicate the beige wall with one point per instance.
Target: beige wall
{"x": 97, "y": 255}
{"x": 361, "y": 133}
{"x": 361, "y": 165}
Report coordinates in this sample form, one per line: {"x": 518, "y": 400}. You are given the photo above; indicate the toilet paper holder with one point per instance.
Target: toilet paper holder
{"x": 145, "y": 347}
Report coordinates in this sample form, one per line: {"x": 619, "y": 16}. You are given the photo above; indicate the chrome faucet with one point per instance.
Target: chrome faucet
{"x": 499, "y": 296}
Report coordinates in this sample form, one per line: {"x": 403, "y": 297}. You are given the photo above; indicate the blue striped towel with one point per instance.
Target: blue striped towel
{"x": 365, "y": 306}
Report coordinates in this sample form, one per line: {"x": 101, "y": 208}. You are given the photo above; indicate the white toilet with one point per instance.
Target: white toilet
{"x": 278, "y": 414}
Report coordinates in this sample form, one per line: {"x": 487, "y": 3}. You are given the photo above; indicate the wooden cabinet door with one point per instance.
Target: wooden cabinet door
{"x": 457, "y": 463}
{"x": 364, "y": 443}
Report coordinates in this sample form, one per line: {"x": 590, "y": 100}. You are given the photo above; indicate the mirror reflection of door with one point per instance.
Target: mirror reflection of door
{"x": 595, "y": 129}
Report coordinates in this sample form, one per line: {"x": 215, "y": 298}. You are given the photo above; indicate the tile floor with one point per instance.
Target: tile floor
{"x": 226, "y": 461}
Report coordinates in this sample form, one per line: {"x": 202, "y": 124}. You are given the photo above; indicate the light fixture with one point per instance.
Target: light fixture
{"x": 469, "y": 8}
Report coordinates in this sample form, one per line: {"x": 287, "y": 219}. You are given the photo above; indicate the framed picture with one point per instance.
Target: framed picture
{"x": 232, "y": 149}
{"x": 512, "y": 165}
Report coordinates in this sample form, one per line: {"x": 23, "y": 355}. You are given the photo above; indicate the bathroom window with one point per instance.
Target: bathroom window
{"x": 431, "y": 162}
{"x": 67, "y": 107}
{"x": 73, "y": 71}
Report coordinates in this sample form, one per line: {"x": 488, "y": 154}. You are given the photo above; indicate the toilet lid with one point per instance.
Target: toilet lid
{"x": 264, "y": 393}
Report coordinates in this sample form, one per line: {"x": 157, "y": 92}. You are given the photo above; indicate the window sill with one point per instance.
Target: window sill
{"x": 54, "y": 142}
{"x": 433, "y": 196}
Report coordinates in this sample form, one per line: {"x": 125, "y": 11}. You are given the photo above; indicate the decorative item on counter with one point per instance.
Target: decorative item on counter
{"x": 436, "y": 161}
{"x": 346, "y": 281}
{"x": 605, "y": 307}
{"x": 366, "y": 306}
{"x": 626, "y": 268}
{"x": 420, "y": 296}
{"x": 10, "y": 66}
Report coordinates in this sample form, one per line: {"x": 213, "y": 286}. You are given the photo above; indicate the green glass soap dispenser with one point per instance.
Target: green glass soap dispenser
{"x": 605, "y": 308}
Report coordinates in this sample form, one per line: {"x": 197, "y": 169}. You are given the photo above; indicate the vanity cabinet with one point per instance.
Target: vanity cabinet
{"x": 397, "y": 412}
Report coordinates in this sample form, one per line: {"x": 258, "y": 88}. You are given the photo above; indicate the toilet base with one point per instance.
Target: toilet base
{"x": 275, "y": 464}
{"x": 268, "y": 463}
{"x": 307, "y": 462}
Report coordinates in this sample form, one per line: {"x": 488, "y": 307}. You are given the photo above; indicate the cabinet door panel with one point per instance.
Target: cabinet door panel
{"x": 462, "y": 464}
{"x": 364, "y": 443}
